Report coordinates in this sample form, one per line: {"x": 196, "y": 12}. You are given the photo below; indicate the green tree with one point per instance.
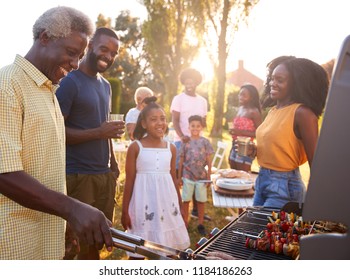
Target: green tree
{"x": 102, "y": 21}
{"x": 127, "y": 66}
{"x": 172, "y": 39}
{"x": 222, "y": 18}
{"x": 132, "y": 65}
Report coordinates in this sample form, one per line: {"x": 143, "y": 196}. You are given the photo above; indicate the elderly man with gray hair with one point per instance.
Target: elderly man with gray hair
{"x": 131, "y": 117}
{"x": 33, "y": 203}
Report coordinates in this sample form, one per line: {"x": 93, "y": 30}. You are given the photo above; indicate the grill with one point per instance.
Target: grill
{"x": 231, "y": 239}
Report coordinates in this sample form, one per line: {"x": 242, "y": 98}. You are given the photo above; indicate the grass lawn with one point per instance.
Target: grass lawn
{"x": 217, "y": 214}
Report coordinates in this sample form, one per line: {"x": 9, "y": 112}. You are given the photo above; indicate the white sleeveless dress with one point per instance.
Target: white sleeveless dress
{"x": 154, "y": 208}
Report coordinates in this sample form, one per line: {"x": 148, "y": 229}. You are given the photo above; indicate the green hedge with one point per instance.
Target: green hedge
{"x": 116, "y": 86}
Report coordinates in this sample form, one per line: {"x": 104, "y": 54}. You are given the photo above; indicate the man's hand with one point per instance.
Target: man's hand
{"x": 91, "y": 225}
{"x": 113, "y": 129}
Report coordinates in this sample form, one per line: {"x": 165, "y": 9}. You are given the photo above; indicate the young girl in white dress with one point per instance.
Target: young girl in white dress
{"x": 152, "y": 205}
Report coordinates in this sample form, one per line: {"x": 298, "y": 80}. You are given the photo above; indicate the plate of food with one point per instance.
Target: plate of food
{"x": 237, "y": 184}
{"x": 233, "y": 173}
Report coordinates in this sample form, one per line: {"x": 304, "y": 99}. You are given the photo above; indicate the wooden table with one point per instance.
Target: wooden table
{"x": 230, "y": 202}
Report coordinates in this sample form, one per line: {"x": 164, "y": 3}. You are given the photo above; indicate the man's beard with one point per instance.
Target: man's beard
{"x": 93, "y": 63}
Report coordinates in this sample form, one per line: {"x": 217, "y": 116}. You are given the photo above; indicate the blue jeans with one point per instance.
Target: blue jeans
{"x": 239, "y": 159}
{"x": 274, "y": 188}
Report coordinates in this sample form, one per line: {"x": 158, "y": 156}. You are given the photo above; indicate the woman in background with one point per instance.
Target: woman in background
{"x": 297, "y": 89}
{"x": 245, "y": 123}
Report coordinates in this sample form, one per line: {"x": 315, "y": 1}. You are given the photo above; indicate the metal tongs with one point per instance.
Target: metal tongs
{"x": 151, "y": 250}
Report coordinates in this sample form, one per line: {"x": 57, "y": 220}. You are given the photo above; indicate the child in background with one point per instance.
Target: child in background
{"x": 152, "y": 205}
{"x": 194, "y": 156}
{"x": 245, "y": 123}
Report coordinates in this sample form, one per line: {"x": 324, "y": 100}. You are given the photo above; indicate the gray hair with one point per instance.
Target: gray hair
{"x": 59, "y": 22}
{"x": 141, "y": 93}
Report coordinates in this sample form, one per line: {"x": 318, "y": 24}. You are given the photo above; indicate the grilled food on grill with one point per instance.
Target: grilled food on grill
{"x": 326, "y": 226}
{"x": 283, "y": 232}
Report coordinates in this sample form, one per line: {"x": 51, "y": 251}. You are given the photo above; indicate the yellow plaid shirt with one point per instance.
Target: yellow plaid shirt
{"x": 32, "y": 138}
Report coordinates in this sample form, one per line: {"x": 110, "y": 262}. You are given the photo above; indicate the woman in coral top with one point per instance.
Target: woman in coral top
{"x": 297, "y": 88}
{"x": 248, "y": 118}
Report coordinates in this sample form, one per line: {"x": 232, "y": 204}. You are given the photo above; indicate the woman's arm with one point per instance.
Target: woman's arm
{"x": 306, "y": 129}
{"x": 257, "y": 118}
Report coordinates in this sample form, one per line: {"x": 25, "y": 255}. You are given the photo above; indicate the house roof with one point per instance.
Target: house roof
{"x": 242, "y": 76}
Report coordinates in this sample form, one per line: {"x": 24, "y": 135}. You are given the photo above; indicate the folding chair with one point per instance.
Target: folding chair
{"x": 219, "y": 156}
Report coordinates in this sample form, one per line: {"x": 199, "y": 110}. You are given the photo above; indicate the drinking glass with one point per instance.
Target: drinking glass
{"x": 116, "y": 117}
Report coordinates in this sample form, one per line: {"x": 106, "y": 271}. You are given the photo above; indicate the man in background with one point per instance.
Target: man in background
{"x": 131, "y": 117}
{"x": 85, "y": 99}
{"x": 33, "y": 204}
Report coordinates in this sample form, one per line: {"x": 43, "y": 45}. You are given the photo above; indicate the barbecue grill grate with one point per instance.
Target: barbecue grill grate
{"x": 231, "y": 239}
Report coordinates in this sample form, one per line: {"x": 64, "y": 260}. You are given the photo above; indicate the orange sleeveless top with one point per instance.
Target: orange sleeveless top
{"x": 277, "y": 146}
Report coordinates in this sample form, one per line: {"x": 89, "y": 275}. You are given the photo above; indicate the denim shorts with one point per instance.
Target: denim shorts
{"x": 274, "y": 188}
{"x": 239, "y": 159}
{"x": 189, "y": 187}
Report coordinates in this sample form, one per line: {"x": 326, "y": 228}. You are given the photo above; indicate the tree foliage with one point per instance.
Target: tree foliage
{"x": 154, "y": 53}
{"x": 222, "y": 20}
{"x": 102, "y": 21}
{"x": 172, "y": 38}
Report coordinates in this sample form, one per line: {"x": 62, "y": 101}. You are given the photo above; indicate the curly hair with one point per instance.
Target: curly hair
{"x": 59, "y": 22}
{"x": 254, "y": 95}
{"x": 309, "y": 83}
{"x": 139, "y": 131}
{"x": 191, "y": 73}
{"x": 266, "y": 100}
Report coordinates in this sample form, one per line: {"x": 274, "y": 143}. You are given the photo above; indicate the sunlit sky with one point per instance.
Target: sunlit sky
{"x": 314, "y": 29}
